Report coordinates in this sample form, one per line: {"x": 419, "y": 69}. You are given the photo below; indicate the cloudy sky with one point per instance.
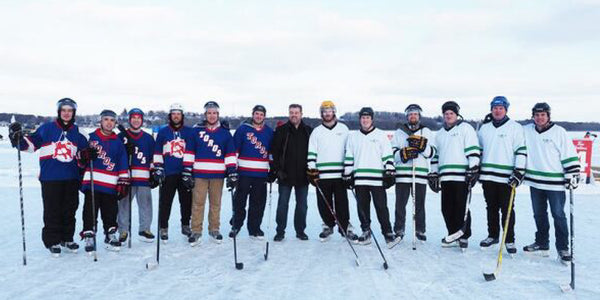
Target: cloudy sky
{"x": 386, "y": 54}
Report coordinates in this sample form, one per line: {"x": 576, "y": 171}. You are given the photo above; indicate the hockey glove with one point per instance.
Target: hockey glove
{"x": 313, "y": 176}
{"x": 272, "y": 176}
{"x": 408, "y": 153}
{"x": 15, "y": 133}
{"x": 389, "y": 179}
{"x": 515, "y": 178}
{"x": 232, "y": 180}
{"x": 348, "y": 181}
{"x": 88, "y": 154}
{"x": 122, "y": 188}
{"x": 417, "y": 141}
{"x": 472, "y": 175}
{"x": 158, "y": 175}
{"x": 186, "y": 179}
{"x": 572, "y": 181}
{"x": 152, "y": 182}
{"x": 433, "y": 179}
{"x": 130, "y": 147}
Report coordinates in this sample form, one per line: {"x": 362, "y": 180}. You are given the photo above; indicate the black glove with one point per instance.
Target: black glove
{"x": 389, "y": 179}
{"x": 417, "y": 141}
{"x": 515, "y": 178}
{"x": 408, "y": 153}
{"x": 433, "y": 179}
{"x": 158, "y": 175}
{"x": 186, "y": 179}
{"x": 348, "y": 181}
{"x": 313, "y": 176}
{"x": 572, "y": 181}
{"x": 88, "y": 154}
{"x": 472, "y": 175}
{"x": 152, "y": 182}
{"x": 123, "y": 187}
{"x": 130, "y": 147}
{"x": 232, "y": 180}
{"x": 272, "y": 176}
{"x": 15, "y": 132}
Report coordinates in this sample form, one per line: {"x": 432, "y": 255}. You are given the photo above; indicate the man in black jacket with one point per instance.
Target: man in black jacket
{"x": 289, "y": 150}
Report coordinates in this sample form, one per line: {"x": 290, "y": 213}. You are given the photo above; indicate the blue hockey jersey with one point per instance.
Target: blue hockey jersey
{"x": 173, "y": 149}
{"x": 141, "y": 161}
{"x": 214, "y": 151}
{"x": 110, "y": 165}
{"x": 253, "y": 148}
{"x": 58, "y": 150}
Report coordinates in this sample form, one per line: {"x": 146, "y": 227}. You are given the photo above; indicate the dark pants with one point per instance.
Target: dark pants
{"x": 167, "y": 193}
{"x": 256, "y": 188}
{"x": 364, "y": 194}
{"x": 337, "y": 196}
{"x": 497, "y": 196}
{"x": 61, "y": 200}
{"x": 454, "y": 200}
{"x": 540, "y": 200}
{"x": 108, "y": 206}
{"x": 283, "y": 203}
{"x": 402, "y": 196}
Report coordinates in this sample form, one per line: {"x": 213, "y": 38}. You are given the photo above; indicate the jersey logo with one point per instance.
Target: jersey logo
{"x": 176, "y": 148}
{"x": 210, "y": 143}
{"x": 106, "y": 161}
{"x": 63, "y": 151}
{"x": 257, "y": 144}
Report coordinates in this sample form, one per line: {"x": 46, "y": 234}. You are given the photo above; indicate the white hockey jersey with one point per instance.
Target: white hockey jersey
{"x": 404, "y": 170}
{"x": 326, "y": 150}
{"x": 368, "y": 155}
{"x": 503, "y": 150}
{"x": 551, "y": 155}
{"x": 457, "y": 149}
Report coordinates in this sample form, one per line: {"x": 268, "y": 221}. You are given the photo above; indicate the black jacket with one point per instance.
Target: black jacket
{"x": 289, "y": 149}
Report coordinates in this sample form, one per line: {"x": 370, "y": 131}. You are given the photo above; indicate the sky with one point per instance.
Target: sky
{"x": 383, "y": 54}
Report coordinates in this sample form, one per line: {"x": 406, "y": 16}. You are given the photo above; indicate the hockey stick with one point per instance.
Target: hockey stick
{"x": 492, "y": 276}
{"x": 385, "y": 264}
{"x": 21, "y": 195}
{"x": 93, "y": 208}
{"x": 331, "y": 210}
{"x": 124, "y": 131}
{"x": 149, "y": 265}
{"x": 238, "y": 265}
{"x": 414, "y": 203}
{"x": 571, "y": 286}
{"x": 455, "y": 236}
{"x": 268, "y": 223}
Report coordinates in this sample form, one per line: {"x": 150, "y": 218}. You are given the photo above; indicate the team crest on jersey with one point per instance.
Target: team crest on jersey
{"x": 257, "y": 144}
{"x": 176, "y": 148}
{"x": 64, "y": 151}
{"x": 106, "y": 161}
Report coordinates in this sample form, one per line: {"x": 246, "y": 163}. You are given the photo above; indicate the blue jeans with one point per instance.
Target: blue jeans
{"x": 283, "y": 203}
{"x": 539, "y": 201}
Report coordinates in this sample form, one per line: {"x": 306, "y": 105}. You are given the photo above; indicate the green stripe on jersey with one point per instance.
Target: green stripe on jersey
{"x": 462, "y": 167}
{"x": 570, "y": 159}
{"x": 497, "y": 166}
{"x": 387, "y": 157}
{"x": 312, "y": 153}
{"x": 544, "y": 174}
{"x": 418, "y": 169}
{"x": 472, "y": 148}
{"x": 330, "y": 164}
{"x": 376, "y": 171}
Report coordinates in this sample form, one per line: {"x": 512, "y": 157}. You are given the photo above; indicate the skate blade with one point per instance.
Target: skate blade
{"x": 164, "y": 241}
{"x": 452, "y": 245}
{"x": 364, "y": 243}
{"x": 395, "y": 242}
{"x": 55, "y": 255}
{"x": 463, "y": 250}
{"x": 67, "y": 250}
{"x": 257, "y": 238}
{"x": 145, "y": 240}
{"x": 194, "y": 244}
{"x": 90, "y": 253}
{"x": 323, "y": 240}
{"x": 216, "y": 241}
{"x": 540, "y": 253}
{"x": 112, "y": 248}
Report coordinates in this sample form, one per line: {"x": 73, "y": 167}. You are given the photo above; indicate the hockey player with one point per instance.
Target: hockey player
{"x": 59, "y": 143}
{"x": 412, "y": 145}
{"x": 173, "y": 162}
{"x": 215, "y": 160}
{"x": 457, "y": 162}
{"x": 504, "y": 155}
{"x": 369, "y": 169}
{"x": 552, "y": 166}
{"x": 140, "y": 149}
{"x": 111, "y": 182}
{"x": 252, "y": 141}
{"x": 326, "y": 150}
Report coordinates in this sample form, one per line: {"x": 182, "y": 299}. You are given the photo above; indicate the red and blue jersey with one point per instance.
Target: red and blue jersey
{"x": 253, "y": 147}
{"x": 215, "y": 153}
{"x": 110, "y": 165}
{"x": 173, "y": 149}
{"x": 141, "y": 160}
{"x": 58, "y": 150}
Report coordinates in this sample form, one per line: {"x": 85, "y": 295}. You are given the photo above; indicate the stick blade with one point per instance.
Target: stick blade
{"x": 566, "y": 288}
{"x": 239, "y": 266}
{"x": 385, "y": 265}
{"x": 151, "y": 266}
{"x": 489, "y": 276}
